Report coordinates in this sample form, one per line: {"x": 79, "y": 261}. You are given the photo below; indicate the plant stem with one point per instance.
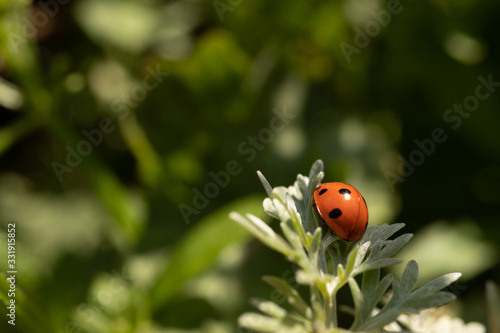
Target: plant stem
{"x": 330, "y": 303}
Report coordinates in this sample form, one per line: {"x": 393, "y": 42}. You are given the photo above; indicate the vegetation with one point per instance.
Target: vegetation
{"x": 130, "y": 130}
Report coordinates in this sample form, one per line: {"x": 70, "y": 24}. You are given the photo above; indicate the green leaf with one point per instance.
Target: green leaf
{"x": 310, "y": 215}
{"x": 297, "y": 201}
{"x": 28, "y": 317}
{"x": 304, "y": 203}
{"x": 270, "y": 308}
{"x": 260, "y": 323}
{"x": 262, "y": 231}
{"x": 292, "y": 296}
{"x": 149, "y": 165}
{"x": 376, "y": 264}
{"x": 431, "y": 301}
{"x": 382, "y": 249}
{"x": 394, "y": 246}
{"x": 200, "y": 247}
{"x": 410, "y": 276}
{"x": 372, "y": 291}
{"x": 296, "y": 220}
{"x": 116, "y": 199}
{"x": 493, "y": 307}
{"x": 316, "y": 169}
{"x": 437, "y": 284}
{"x": 267, "y": 187}
{"x": 324, "y": 248}
{"x": 337, "y": 330}
{"x": 302, "y": 186}
{"x": 292, "y": 238}
{"x": 374, "y": 233}
{"x": 370, "y": 280}
{"x": 357, "y": 298}
{"x": 317, "y": 305}
{"x": 270, "y": 209}
{"x": 280, "y": 209}
{"x": 404, "y": 299}
{"x": 93, "y": 18}
{"x": 341, "y": 274}
{"x": 351, "y": 259}
{"x": 306, "y": 277}
{"x": 266, "y": 230}
{"x": 361, "y": 253}
{"x": 314, "y": 246}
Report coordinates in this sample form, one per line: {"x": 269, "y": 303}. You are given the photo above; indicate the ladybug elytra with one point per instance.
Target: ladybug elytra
{"x": 343, "y": 209}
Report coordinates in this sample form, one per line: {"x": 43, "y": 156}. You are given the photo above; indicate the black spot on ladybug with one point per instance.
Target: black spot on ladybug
{"x": 344, "y": 191}
{"x": 366, "y": 225}
{"x": 335, "y": 213}
{"x": 323, "y": 191}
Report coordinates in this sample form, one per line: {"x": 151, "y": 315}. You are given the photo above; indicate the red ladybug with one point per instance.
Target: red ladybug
{"x": 343, "y": 208}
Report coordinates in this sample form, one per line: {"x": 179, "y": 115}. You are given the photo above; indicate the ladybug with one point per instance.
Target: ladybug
{"x": 343, "y": 208}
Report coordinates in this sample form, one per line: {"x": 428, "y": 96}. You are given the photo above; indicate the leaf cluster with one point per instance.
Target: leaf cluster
{"x": 327, "y": 263}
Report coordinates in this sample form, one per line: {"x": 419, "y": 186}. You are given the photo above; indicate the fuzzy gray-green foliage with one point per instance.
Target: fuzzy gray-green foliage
{"x": 327, "y": 263}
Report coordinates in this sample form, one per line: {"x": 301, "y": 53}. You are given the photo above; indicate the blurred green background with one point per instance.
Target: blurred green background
{"x": 130, "y": 129}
